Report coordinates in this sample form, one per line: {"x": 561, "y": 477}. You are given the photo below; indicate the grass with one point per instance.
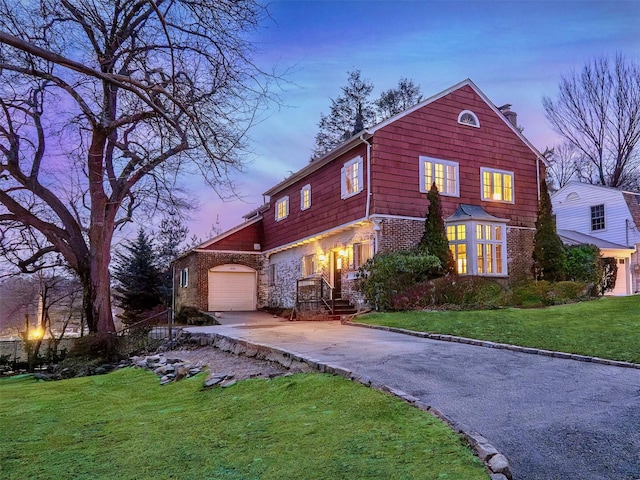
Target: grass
{"x": 607, "y": 328}
{"x": 126, "y": 426}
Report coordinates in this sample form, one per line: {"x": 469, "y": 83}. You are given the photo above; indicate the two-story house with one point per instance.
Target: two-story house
{"x": 607, "y": 218}
{"x": 368, "y": 195}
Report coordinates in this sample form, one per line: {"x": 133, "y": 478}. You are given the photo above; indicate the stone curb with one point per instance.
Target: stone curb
{"x": 500, "y": 346}
{"x": 495, "y": 462}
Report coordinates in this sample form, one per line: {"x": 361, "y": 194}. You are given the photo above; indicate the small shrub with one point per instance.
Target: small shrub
{"x": 193, "y": 316}
{"x": 98, "y": 346}
{"x": 385, "y": 275}
{"x": 543, "y": 293}
{"x": 453, "y": 292}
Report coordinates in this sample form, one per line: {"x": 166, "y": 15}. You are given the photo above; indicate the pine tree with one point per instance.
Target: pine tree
{"x": 350, "y": 113}
{"x": 434, "y": 239}
{"x": 138, "y": 278}
{"x": 548, "y": 251}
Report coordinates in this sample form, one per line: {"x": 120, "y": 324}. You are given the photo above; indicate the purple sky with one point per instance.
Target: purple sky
{"x": 515, "y": 51}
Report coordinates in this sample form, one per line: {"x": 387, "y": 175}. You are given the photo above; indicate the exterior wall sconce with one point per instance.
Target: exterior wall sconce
{"x": 343, "y": 252}
{"x": 322, "y": 257}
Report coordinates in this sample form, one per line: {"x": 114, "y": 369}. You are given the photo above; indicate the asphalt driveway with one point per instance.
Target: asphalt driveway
{"x": 553, "y": 418}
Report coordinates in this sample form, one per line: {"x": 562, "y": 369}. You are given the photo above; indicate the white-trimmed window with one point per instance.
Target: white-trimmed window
{"x": 597, "y": 217}
{"x": 478, "y": 248}
{"x": 497, "y": 185}
{"x": 467, "y": 117}
{"x": 184, "y": 277}
{"x": 443, "y": 172}
{"x": 490, "y": 249}
{"x": 309, "y": 265}
{"x": 351, "y": 177}
{"x": 361, "y": 253}
{"x": 457, "y": 236}
{"x": 305, "y": 197}
{"x": 282, "y": 208}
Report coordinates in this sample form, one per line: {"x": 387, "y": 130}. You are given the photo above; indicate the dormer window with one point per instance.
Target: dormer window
{"x": 467, "y": 117}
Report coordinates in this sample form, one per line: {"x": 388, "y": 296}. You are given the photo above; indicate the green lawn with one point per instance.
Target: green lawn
{"x": 607, "y": 328}
{"x": 126, "y": 426}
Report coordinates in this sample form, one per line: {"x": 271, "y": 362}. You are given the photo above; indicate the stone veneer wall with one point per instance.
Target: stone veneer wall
{"x": 199, "y": 263}
{"x": 288, "y": 266}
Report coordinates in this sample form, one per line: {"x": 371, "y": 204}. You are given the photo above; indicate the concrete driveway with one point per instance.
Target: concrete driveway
{"x": 552, "y": 418}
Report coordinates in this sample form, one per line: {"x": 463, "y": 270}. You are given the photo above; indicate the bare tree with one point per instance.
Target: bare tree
{"x": 103, "y": 105}
{"x": 396, "y": 100}
{"x": 598, "y": 111}
{"x": 563, "y": 165}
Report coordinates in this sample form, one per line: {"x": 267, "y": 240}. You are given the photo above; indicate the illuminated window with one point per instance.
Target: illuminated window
{"x": 305, "y": 197}
{"x": 597, "y": 217}
{"x": 351, "y": 182}
{"x": 443, "y": 172}
{"x": 497, "y": 185}
{"x": 479, "y": 254}
{"x": 467, "y": 117}
{"x": 282, "y": 208}
{"x": 457, "y": 236}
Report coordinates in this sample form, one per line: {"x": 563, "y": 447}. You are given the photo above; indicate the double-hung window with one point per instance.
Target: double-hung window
{"x": 305, "y": 197}
{"x": 497, "y": 185}
{"x": 184, "y": 277}
{"x": 361, "y": 253}
{"x": 351, "y": 177}
{"x": 489, "y": 249}
{"x": 309, "y": 266}
{"x": 597, "y": 217}
{"x": 282, "y": 208}
{"x": 443, "y": 173}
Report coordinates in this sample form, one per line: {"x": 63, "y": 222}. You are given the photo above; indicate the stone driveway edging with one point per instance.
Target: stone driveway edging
{"x": 501, "y": 346}
{"x": 496, "y": 463}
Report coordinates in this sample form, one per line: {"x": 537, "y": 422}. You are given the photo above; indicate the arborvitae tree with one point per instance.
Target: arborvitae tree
{"x": 434, "y": 239}
{"x": 548, "y": 251}
{"x": 138, "y": 278}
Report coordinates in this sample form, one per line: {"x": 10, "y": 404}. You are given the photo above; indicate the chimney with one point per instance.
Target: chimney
{"x": 509, "y": 114}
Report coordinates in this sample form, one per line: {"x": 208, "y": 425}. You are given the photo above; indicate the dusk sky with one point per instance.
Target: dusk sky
{"x": 515, "y": 52}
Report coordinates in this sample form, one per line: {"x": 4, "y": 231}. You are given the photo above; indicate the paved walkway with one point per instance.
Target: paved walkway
{"x": 552, "y": 418}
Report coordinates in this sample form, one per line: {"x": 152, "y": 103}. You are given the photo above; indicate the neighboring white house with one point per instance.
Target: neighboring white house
{"x": 606, "y": 217}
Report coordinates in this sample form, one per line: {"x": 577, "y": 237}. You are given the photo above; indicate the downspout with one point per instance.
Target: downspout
{"x": 376, "y": 227}
{"x": 369, "y": 193}
{"x": 538, "y": 176}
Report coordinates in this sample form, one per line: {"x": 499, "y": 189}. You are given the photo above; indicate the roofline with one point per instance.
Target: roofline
{"x": 606, "y": 187}
{"x": 320, "y": 162}
{"x": 368, "y": 133}
{"x": 437, "y": 96}
{"x": 224, "y": 235}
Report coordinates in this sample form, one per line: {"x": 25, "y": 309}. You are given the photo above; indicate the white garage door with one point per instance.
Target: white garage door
{"x": 232, "y": 287}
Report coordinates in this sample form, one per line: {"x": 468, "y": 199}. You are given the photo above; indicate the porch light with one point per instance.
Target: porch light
{"x": 343, "y": 253}
{"x": 322, "y": 257}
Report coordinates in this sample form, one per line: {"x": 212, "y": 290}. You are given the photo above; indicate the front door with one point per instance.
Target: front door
{"x": 337, "y": 275}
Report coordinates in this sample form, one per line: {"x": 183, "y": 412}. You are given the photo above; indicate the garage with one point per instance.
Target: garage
{"x": 232, "y": 287}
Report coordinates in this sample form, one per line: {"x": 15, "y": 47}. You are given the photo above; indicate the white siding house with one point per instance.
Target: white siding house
{"x": 605, "y": 217}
